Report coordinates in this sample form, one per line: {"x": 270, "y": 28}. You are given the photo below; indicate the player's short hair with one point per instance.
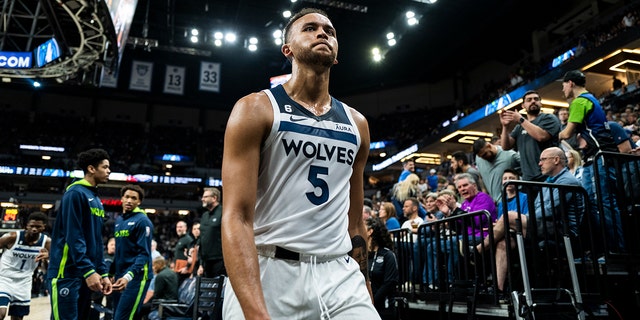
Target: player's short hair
{"x": 133, "y": 187}
{"x": 299, "y": 15}
{"x": 38, "y": 216}
{"x": 91, "y": 157}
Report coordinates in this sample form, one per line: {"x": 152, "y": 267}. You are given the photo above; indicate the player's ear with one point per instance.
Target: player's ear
{"x": 286, "y": 51}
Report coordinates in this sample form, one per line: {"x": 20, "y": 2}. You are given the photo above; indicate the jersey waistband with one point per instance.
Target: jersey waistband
{"x": 273, "y": 251}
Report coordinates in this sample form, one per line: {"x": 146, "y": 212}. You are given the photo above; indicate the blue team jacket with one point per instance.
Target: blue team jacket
{"x": 76, "y": 240}
{"x": 133, "y": 233}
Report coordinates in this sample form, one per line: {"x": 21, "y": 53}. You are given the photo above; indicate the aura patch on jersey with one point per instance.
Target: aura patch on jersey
{"x": 345, "y": 133}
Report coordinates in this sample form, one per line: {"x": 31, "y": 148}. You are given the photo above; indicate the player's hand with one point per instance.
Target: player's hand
{"x": 94, "y": 283}
{"x": 106, "y": 286}
{"x": 120, "y": 284}
{"x": 43, "y": 255}
{"x": 200, "y": 270}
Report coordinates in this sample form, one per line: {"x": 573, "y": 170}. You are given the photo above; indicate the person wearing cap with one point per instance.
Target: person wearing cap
{"x": 588, "y": 119}
{"x": 432, "y": 180}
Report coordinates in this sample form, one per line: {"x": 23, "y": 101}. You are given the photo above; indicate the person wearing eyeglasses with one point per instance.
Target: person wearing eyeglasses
{"x": 530, "y": 135}
{"x": 210, "y": 254}
{"x": 553, "y": 164}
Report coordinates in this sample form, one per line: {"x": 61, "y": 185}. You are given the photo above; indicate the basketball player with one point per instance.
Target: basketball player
{"x": 76, "y": 266}
{"x": 132, "y": 261}
{"x": 292, "y": 170}
{"x": 23, "y": 252}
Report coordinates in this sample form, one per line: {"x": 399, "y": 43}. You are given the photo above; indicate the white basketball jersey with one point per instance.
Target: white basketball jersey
{"x": 19, "y": 261}
{"x": 303, "y": 184}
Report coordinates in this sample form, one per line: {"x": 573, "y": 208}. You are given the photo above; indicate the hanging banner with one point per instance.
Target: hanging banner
{"x": 141, "y": 75}
{"x": 108, "y": 80}
{"x": 174, "y": 80}
{"x": 210, "y": 76}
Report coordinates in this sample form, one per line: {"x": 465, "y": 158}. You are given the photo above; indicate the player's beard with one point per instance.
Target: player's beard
{"x": 316, "y": 58}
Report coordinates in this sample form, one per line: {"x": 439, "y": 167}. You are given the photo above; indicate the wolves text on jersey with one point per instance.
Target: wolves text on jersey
{"x": 319, "y": 151}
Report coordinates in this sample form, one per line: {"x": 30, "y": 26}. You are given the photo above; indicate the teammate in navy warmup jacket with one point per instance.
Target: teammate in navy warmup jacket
{"x": 76, "y": 265}
{"x": 132, "y": 262}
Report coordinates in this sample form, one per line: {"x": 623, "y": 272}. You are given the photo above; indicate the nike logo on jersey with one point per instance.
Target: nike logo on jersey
{"x": 91, "y": 199}
{"x": 131, "y": 223}
{"x": 291, "y": 118}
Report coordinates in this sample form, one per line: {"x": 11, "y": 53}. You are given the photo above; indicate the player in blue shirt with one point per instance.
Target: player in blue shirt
{"x": 76, "y": 266}
{"x": 132, "y": 261}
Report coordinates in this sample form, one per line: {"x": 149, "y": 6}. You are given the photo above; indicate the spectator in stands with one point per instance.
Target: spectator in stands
{"x": 563, "y": 116}
{"x": 210, "y": 249}
{"x": 423, "y": 187}
{"x": 635, "y": 138}
{"x": 387, "y": 214}
{"x": 180, "y": 251}
{"x": 433, "y": 214}
{"x": 193, "y": 262}
{"x": 445, "y": 199}
{"x": 154, "y": 250}
{"x": 432, "y": 209}
{"x": 165, "y": 286}
{"x": 492, "y": 161}
{"x": 432, "y": 180}
{"x": 366, "y": 212}
{"x": 530, "y": 135}
{"x": 514, "y": 203}
{"x": 616, "y": 83}
{"x": 553, "y": 164}
{"x": 516, "y": 209}
{"x": 515, "y": 79}
{"x": 631, "y": 121}
{"x": 574, "y": 163}
{"x": 474, "y": 200}
{"x": 408, "y": 167}
{"x": 629, "y": 19}
{"x": 621, "y": 138}
{"x": 404, "y": 190}
{"x": 587, "y": 117}
{"x": 383, "y": 267}
{"x": 460, "y": 164}
{"x": 410, "y": 211}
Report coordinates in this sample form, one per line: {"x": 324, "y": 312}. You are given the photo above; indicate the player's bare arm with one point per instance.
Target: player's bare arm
{"x": 568, "y": 131}
{"x": 248, "y": 125}
{"x": 357, "y": 228}
{"x": 8, "y": 239}
{"x": 44, "y": 252}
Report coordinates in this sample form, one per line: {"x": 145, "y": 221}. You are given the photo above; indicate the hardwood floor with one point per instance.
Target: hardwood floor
{"x": 40, "y": 309}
